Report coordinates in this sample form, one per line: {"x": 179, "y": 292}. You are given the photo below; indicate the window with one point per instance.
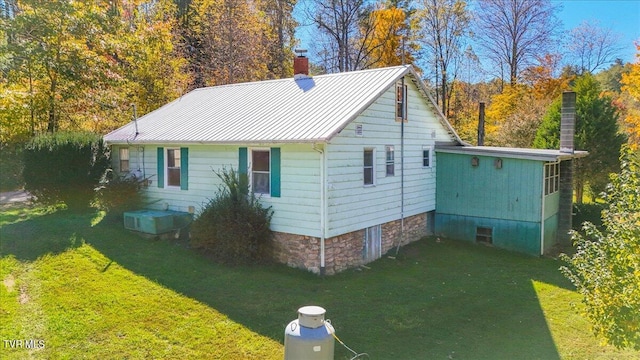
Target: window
{"x": 484, "y": 235}
{"x": 427, "y": 152}
{"x": 173, "y": 167}
{"x": 369, "y": 168}
{"x": 390, "y": 160}
{"x": 401, "y": 103}
{"x": 260, "y": 172}
{"x": 551, "y": 177}
{"x": 124, "y": 159}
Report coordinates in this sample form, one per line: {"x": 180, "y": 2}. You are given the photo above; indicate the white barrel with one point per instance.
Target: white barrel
{"x": 309, "y": 337}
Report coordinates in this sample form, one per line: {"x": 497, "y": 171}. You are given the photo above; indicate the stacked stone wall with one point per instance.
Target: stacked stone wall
{"x": 344, "y": 251}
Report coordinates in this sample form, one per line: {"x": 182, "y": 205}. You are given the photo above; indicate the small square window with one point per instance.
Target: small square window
{"x": 475, "y": 161}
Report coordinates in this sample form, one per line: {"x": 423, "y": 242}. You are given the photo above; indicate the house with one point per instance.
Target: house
{"x": 510, "y": 197}
{"x": 348, "y": 164}
{"x": 347, "y": 161}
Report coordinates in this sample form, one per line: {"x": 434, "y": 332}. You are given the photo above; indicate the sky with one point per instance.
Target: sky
{"x": 622, "y": 16}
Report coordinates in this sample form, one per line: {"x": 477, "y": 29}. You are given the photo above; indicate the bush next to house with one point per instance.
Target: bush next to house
{"x": 65, "y": 167}
{"x": 119, "y": 193}
{"x": 234, "y": 226}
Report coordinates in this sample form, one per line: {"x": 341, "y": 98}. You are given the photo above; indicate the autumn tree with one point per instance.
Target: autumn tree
{"x": 233, "y": 37}
{"x": 631, "y": 90}
{"x": 279, "y": 19}
{"x": 591, "y": 46}
{"x": 519, "y": 109}
{"x": 513, "y": 33}
{"x": 444, "y": 26}
{"x": 389, "y": 41}
{"x": 596, "y": 132}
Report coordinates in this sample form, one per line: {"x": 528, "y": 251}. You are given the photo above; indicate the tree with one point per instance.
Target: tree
{"x": 233, "y": 37}
{"x": 596, "y": 131}
{"x": 606, "y": 266}
{"x": 279, "y": 18}
{"x": 514, "y": 33}
{"x": 444, "y": 23}
{"x": 631, "y": 90}
{"x": 345, "y": 31}
{"x": 386, "y": 43}
{"x": 592, "y": 46}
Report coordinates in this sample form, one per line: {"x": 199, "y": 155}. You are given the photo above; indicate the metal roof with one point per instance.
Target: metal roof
{"x": 300, "y": 109}
{"x": 516, "y": 153}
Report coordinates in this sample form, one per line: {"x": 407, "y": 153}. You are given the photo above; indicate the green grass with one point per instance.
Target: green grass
{"x": 90, "y": 289}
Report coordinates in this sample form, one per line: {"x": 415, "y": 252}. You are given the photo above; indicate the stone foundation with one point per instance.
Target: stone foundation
{"x": 344, "y": 251}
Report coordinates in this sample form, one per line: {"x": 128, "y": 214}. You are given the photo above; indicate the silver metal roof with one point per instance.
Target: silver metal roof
{"x": 301, "y": 109}
{"x": 516, "y": 153}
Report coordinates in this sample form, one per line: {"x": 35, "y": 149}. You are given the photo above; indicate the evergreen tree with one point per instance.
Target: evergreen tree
{"x": 596, "y": 132}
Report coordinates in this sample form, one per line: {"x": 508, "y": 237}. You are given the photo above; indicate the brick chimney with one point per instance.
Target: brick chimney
{"x": 300, "y": 63}
{"x": 567, "y": 122}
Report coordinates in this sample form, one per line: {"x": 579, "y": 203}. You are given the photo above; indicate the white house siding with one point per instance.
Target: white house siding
{"x": 353, "y": 206}
{"x": 296, "y": 211}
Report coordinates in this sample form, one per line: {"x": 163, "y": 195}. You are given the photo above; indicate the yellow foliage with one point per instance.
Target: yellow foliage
{"x": 385, "y": 38}
{"x": 631, "y": 87}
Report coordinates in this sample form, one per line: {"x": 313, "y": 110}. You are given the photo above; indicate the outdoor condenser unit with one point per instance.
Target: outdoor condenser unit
{"x": 155, "y": 222}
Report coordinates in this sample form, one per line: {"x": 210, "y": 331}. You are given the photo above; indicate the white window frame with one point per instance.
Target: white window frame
{"x": 551, "y": 177}
{"x": 372, "y": 166}
{"x": 389, "y": 160}
{"x": 121, "y": 151}
{"x": 429, "y": 148}
{"x": 166, "y": 167}
{"x": 251, "y": 171}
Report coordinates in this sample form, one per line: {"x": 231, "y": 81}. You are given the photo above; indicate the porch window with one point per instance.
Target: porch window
{"x": 551, "y": 177}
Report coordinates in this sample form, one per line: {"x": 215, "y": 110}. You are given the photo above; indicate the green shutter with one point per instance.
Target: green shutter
{"x": 242, "y": 161}
{"x": 160, "y": 167}
{"x": 184, "y": 168}
{"x": 275, "y": 172}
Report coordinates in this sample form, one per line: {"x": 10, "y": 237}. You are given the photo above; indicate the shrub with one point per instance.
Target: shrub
{"x": 234, "y": 226}
{"x": 587, "y": 212}
{"x": 11, "y": 167}
{"x": 119, "y": 193}
{"x": 65, "y": 167}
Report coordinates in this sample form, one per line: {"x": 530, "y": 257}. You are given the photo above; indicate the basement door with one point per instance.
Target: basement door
{"x": 372, "y": 248}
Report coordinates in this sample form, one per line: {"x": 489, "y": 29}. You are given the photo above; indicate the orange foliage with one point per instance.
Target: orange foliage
{"x": 631, "y": 87}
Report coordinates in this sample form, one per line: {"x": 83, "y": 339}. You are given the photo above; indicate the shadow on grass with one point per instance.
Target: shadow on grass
{"x": 434, "y": 300}
{"x": 31, "y": 233}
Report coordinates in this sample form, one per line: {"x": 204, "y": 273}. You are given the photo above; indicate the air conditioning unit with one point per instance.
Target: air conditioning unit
{"x": 150, "y": 221}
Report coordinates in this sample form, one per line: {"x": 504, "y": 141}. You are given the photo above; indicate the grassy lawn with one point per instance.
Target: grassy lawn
{"x": 90, "y": 289}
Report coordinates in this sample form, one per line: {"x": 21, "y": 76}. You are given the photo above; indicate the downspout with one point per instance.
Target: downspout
{"x": 322, "y": 208}
{"x": 542, "y": 213}
{"x": 404, "y": 115}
